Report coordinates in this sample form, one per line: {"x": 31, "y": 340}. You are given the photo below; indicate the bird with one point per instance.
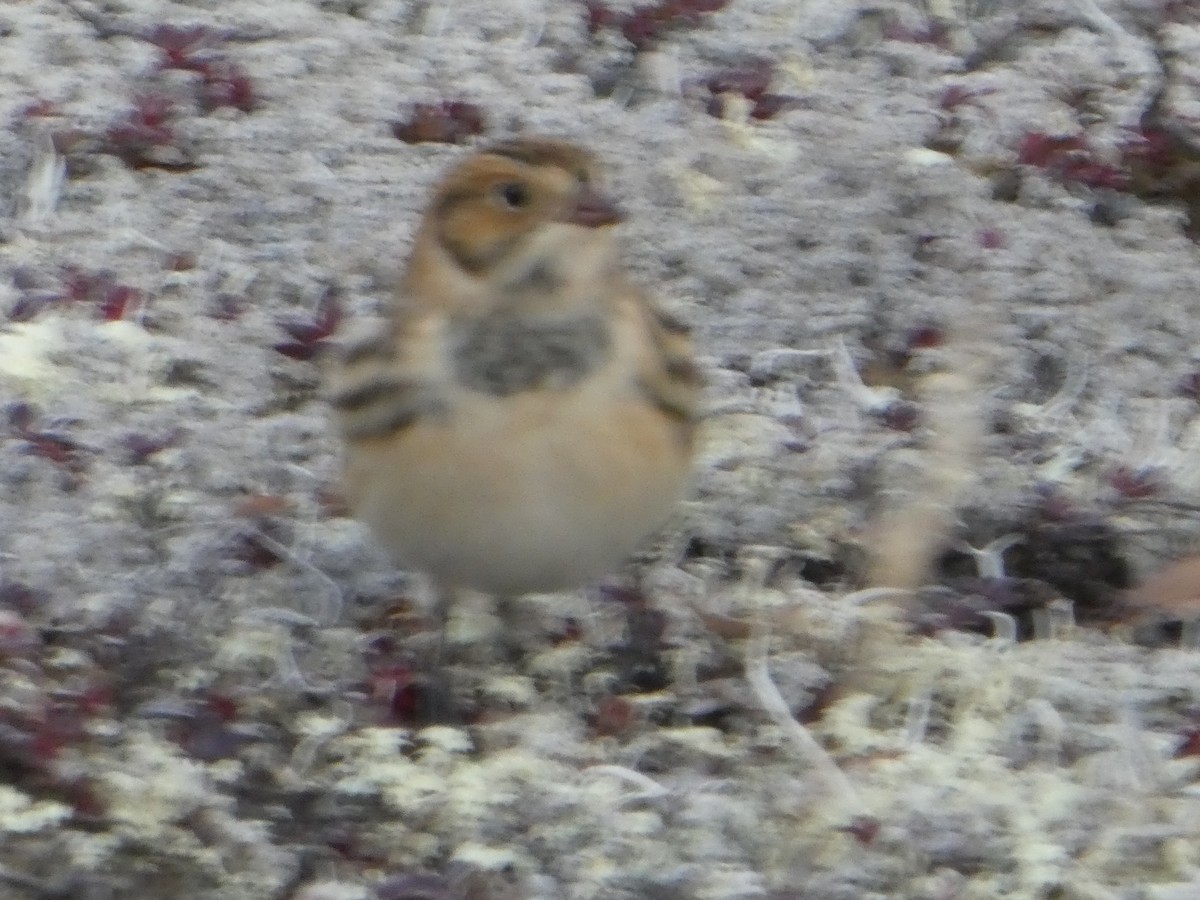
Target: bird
{"x": 525, "y": 415}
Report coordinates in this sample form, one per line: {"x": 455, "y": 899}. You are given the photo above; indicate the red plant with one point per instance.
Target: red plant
{"x": 400, "y": 692}
{"x": 957, "y": 95}
{"x": 119, "y": 299}
{"x": 112, "y": 299}
{"x": 1070, "y": 160}
{"x": 141, "y": 137}
{"x": 142, "y": 446}
{"x": 614, "y": 717}
{"x": 226, "y": 84}
{"x": 49, "y": 444}
{"x": 768, "y": 106}
{"x": 643, "y": 26}
{"x": 864, "y": 829}
{"x": 599, "y": 16}
{"x": 1135, "y": 483}
{"x": 309, "y": 335}
{"x": 991, "y": 239}
{"x": 249, "y": 548}
{"x": 750, "y": 82}
{"x": 446, "y": 122}
{"x": 924, "y": 337}
{"x": 1188, "y": 385}
{"x": 1189, "y": 744}
{"x": 222, "y": 82}
{"x": 40, "y": 108}
{"x": 179, "y": 43}
{"x": 34, "y": 734}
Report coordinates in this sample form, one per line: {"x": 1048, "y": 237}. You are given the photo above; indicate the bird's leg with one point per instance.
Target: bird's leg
{"x": 443, "y": 600}
{"x": 509, "y": 642}
{"x": 441, "y": 688}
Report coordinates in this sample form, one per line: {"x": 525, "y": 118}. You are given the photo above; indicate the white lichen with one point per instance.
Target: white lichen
{"x": 21, "y": 814}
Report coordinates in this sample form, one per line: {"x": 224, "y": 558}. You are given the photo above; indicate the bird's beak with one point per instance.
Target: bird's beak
{"x": 592, "y": 210}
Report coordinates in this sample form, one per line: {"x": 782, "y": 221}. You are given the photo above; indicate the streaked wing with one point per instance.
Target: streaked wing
{"x": 376, "y": 384}
{"x": 670, "y": 377}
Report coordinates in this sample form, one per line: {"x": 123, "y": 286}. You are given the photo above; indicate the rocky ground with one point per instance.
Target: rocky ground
{"x": 941, "y": 261}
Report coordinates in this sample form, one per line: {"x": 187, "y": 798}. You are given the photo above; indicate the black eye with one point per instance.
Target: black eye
{"x": 513, "y": 195}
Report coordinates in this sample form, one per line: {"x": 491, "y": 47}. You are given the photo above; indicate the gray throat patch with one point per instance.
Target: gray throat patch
{"x": 503, "y": 354}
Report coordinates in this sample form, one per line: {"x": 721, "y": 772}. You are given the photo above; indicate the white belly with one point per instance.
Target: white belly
{"x": 531, "y": 494}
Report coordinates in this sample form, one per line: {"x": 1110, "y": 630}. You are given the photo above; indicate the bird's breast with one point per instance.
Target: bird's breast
{"x": 502, "y": 354}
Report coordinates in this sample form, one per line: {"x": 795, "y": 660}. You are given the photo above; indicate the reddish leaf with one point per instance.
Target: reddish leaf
{"x": 58, "y": 448}
{"x": 178, "y": 43}
{"x": 991, "y": 239}
{"x": 142, "y": 446}
{"x": 864, "y": 829}
{"x": 1041, "y": 150}
{"x": 1094, "y": 174}
{"x": 37, "y": 109}
{"x": 901, "y": 415}
{"x": 403, "y": 696}
{"x": 751, "y": 83}
{"x": 1190, "y": 745}
{"x": 309, "y": 334}
{"x": 296, "y": 350}
{"x": 226, "y": 84}
{"x": 117, "y": 301}
{"x": 768, "y": 106}
{"x": 956, "y": 95}
{"x": 599, "y": 16}
{"x": 923, "y": 337}
{"x": 615, "y": 716}
{"x": 1135, "y": 484}
{"x": 642, "y": 27}
{"x": 250, "y": 549}
{"x": 1189, "y": 385}
{"x": 448, "y": 122}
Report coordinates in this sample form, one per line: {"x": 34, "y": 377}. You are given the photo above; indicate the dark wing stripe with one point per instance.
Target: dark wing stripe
{"x": 681, "y": 368}
{"x": 384, "y": 422}
{"x": 401, "y": 411}
{"x": 675, "y": 380}
{"x": 669, "y": 322}
{"x": 371, "y": 392}
{"x": 379, "y": 346}
{"x": 679, "y": 408}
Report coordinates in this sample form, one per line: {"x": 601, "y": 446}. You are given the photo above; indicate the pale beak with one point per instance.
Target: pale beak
{"x": 592, "y": 210}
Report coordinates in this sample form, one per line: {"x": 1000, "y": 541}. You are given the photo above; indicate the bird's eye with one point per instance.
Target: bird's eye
{"x": 583, "y": 176}
{"x": 513, "y": 195}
